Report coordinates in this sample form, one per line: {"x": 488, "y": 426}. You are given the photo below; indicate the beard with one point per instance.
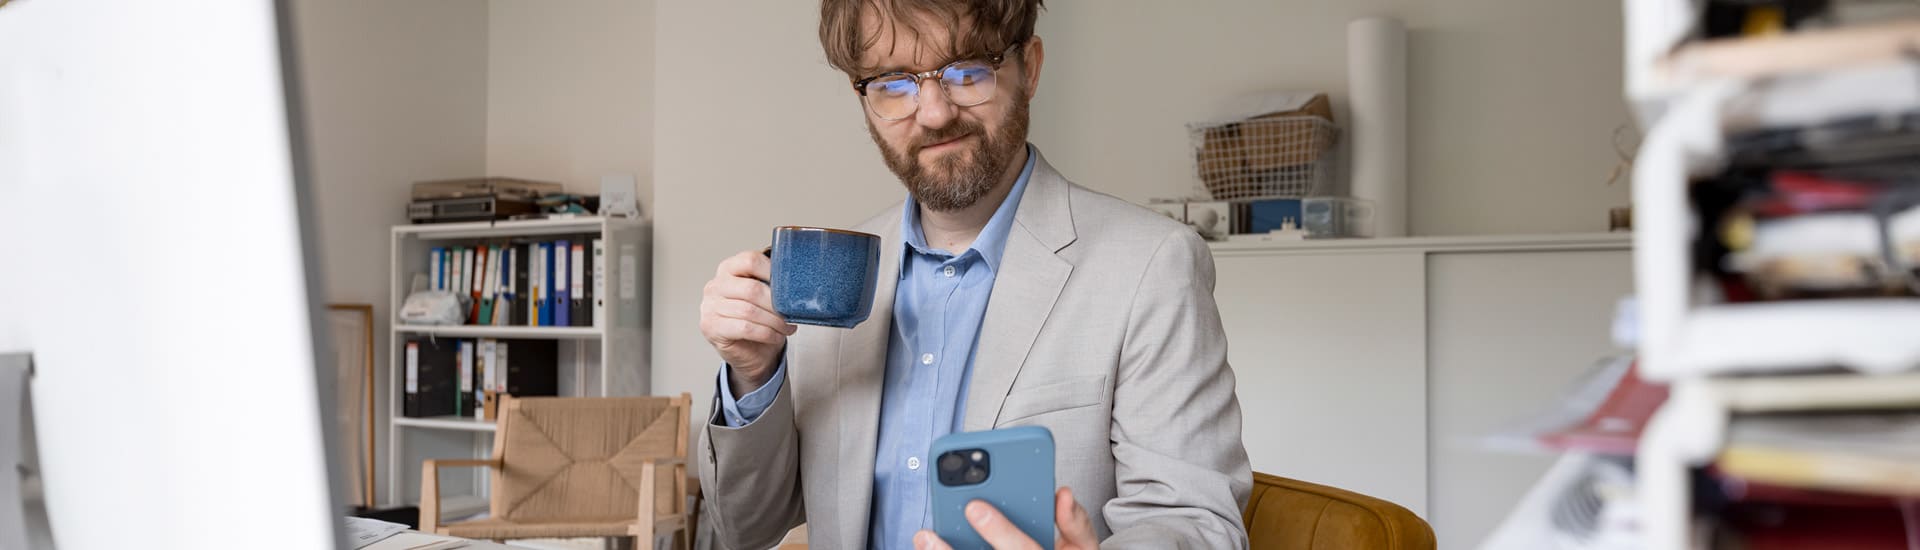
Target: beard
{"x": 960, "y": 178}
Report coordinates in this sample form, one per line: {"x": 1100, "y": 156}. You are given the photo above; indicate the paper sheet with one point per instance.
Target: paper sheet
{"x": 1377, "y": 96}
{"x": 363, "y": 532}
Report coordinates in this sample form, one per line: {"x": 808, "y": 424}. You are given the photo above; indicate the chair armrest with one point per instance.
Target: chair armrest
{"x": 460, "y": 463}
{"x": 645, "y": 529}
{"x": 430, "y": 487}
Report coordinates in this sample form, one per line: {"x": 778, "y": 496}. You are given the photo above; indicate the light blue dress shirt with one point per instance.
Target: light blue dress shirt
{"x": 938, "y": 307}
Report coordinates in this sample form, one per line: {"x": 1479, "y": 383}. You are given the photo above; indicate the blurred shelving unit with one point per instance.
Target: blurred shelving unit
{"x": 1689, "y": 94}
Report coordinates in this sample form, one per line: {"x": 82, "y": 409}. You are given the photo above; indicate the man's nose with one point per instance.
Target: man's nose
{"x": 935, "y": 111}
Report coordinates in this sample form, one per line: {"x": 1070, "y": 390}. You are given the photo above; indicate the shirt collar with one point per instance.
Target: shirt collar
{"x": 992, "y": 241}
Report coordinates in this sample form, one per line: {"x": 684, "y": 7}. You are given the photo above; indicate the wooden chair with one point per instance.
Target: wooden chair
{"x": 566, "y": 467}
{"x": 1288, "y": 514}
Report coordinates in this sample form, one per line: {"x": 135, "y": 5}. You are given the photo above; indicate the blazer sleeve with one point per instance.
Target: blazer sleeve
{"x": 750, "y": 477}
{"x": 1181, "y": 467}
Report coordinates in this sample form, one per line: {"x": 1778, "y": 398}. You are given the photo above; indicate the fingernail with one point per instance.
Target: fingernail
{"x": 977, "y": 512}
{"x": 920, "y": 540}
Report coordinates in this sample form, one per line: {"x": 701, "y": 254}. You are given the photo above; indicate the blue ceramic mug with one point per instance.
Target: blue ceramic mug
{"x": 824, "y": 277}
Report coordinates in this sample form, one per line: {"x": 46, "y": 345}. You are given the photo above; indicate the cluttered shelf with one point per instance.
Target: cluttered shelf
{"x": 504, "y": 228}
{"x": 1778, "y": 281}
{"x": 1474, "y": 243}
{"x": 1786, "y": 53}
{"x": 499, "y": 331}
{"x": 1867, "y": 335}
{"x": 1744, "y": 449}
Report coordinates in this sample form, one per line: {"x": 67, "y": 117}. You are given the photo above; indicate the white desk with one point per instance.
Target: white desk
{"x": 410, "y": 539}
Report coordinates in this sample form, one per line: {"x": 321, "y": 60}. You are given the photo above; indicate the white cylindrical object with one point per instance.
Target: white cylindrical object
{"x": 1377, "y": 99}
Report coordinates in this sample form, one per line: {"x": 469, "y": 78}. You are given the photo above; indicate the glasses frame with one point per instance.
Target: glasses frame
{"x": 994, "y": 60}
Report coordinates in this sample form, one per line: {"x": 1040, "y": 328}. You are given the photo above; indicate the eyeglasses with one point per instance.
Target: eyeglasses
{"x": 896, "y": 95}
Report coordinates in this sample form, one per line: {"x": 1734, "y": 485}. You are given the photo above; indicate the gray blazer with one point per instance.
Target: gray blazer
{"x": 1101, "y": 327}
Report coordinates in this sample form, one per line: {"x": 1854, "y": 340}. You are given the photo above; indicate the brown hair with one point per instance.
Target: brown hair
{"x": 996, "y": 24}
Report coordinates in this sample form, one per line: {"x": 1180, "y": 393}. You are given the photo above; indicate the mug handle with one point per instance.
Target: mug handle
{"x": 768, "y": 252}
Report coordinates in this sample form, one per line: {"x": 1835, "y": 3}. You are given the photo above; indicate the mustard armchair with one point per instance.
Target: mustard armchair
{"x": 1287, "y": 514}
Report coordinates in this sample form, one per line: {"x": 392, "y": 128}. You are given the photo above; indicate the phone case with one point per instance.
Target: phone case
{"x": 1019, "y": 483}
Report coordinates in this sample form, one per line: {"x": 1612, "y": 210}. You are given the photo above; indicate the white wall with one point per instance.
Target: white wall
{"x": 752, "y": 130}
{"x": 1513, "y": 102}
{"x": 395, "y": 93}
{"x": 570, "y": 92}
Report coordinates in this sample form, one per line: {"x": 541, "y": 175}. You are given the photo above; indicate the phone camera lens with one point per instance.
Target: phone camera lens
{"x": 952, "y": 463}
{"x": 975, "y": 475}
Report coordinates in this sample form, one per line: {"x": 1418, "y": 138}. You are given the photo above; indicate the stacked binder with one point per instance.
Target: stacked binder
{"x": 554, "y": 283}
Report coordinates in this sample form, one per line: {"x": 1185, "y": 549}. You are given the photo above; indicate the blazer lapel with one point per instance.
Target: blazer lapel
{"x": 1030, "y": 279}
{"x": 862, "y": 373}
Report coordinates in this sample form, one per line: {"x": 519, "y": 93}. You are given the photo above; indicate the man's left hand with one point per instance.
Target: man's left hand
{"x": 1073, "y": 530}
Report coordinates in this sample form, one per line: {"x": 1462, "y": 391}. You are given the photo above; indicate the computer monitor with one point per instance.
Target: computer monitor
{"x": 153, "y": 263}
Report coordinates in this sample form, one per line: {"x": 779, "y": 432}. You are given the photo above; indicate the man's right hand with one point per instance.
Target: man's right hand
{"x": 737, "y": 317}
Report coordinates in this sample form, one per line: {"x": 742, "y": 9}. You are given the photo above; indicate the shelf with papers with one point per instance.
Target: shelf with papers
{"x": 1870, "y": 336}
{"x": 1743, "y": 376}
{"x": 609, "y": 359}
{"x": 1666, "y": 60}
{"x": 494, "y": 331}
{"x": 1814, "y": 50}
{"x": 507, "y": 228}
{"x": 466, "y": 423}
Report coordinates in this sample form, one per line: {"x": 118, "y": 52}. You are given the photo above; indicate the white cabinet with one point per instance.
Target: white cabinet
{"x": 1377, "y": 365}
{"x": 1329, "y": 353}
{"x": 1508, "y": 334}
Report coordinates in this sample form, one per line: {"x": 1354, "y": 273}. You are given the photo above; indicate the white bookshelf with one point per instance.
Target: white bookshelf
{"x": 461, "y": 423}
{"x": 1689, "y": 95}
{"x": 525, "y": 333}
{"x": 606, "y": 360}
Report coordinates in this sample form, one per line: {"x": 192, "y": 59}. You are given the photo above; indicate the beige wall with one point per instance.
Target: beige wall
{"x": 752, "y": 130}
{"x": 1515, "y": 103}
{"x": 395, "y": 93}
{"x": 570, "y": 91}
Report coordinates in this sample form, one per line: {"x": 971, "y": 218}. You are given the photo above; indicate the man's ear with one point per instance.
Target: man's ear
{"x": 1033, "y": 54}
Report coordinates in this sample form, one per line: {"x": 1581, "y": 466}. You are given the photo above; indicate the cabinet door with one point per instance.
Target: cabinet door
{"x": 1510, "y": 332}
{"x": 1329, "y": 350}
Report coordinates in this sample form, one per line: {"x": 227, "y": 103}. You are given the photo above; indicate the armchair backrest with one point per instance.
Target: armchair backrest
{"x": 572, "y": 458}
{"x": 1289, "y": 514}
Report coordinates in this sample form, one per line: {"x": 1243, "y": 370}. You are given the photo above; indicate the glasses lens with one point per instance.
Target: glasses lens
{"x": 969, "y": 82}
{"x": 892, "y": 96}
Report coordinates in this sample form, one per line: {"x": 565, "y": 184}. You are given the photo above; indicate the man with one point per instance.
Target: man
{"x": 1008, "y": 296}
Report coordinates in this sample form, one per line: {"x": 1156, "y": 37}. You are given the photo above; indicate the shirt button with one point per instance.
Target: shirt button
{"x": 948, "y": 271}
{"x": 926, "y": 359}
{"x": 913, "y": 463}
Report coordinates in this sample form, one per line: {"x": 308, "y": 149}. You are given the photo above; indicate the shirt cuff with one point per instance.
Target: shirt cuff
{"x": 745, "y": 409}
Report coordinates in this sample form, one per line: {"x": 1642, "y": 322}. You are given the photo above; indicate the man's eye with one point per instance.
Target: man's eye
{"x": 896, "y": 88}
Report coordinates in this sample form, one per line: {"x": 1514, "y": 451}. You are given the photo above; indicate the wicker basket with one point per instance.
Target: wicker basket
{"x": 1267, "y": 156}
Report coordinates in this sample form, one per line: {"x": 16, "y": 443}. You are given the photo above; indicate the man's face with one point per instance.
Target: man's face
{"x": 949, "y": 157}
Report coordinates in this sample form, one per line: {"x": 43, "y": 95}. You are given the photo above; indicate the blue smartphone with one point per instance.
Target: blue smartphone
{"x": 1011, "y": 468}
